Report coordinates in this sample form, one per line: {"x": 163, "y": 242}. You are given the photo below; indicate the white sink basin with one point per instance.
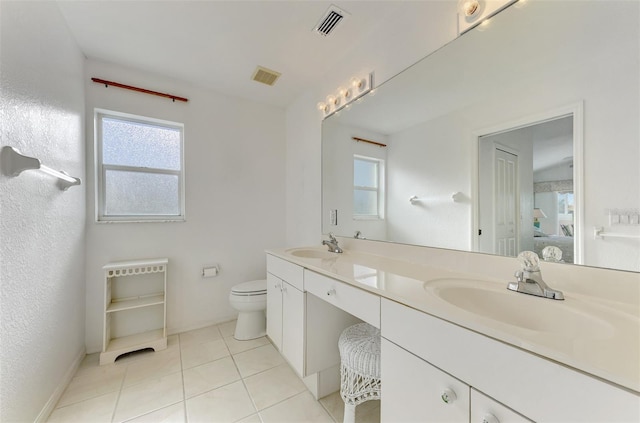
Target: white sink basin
{"x": 312, "y": 253}
{"x": 493, "y": 301}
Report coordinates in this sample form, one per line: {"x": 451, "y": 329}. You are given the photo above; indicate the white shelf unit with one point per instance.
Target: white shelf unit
{"x": 134, "y": 307}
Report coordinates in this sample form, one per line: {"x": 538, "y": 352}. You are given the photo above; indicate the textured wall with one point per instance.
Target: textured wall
{"x": 41, "y": 227}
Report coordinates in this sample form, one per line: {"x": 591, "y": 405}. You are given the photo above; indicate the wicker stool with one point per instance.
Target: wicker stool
{"x": 359, "y": 367}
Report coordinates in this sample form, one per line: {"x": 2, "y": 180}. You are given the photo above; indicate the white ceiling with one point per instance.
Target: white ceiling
{"x": 218, "y": 44}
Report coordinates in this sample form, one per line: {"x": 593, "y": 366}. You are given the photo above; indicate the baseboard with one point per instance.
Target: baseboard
{"x": 57, "y": 393}
{"x": 173, "y": 331}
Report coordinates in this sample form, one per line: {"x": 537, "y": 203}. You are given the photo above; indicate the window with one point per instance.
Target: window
{"x": 565, "y": 203}
{"x": 368, "y": 183}
{"x": 139, "y": 166}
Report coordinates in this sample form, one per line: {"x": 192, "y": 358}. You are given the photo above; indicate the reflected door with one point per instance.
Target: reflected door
{"x": 505, "y": 203}
{"x": 499, "y": 214}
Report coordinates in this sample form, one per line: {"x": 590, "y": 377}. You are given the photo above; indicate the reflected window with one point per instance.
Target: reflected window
{"x": 565, "y": 203}
{"x": 139, "y": 165}
{"x": 368, "y": 183}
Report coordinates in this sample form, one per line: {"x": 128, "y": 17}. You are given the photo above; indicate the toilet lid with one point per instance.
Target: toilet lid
{"x": 251, "y": 287}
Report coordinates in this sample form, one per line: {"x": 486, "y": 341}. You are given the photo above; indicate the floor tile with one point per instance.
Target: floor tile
{"x": 257, "y": 360}
{"x": 273, "y": 386}
{"x": 205, "y": 366}
{"x": 93, "y": 382}
{"x": 150, "y": 395}
{"x": 198, "y": 336}
{"x": 255, "y": 418}
{"x": 227, "y": 328}
{"x": 226, "y": 404}
{"x": 206, "y": 377}
{"x": 94, "y": 410}
{"x": 236, "y": 346}
{"x": 197, "y": 354}
{"x": 301, "y": 408}
{"x": 367, "y": 412}
{"x": 154, "y": 365}
{"x": 173, "y": 414}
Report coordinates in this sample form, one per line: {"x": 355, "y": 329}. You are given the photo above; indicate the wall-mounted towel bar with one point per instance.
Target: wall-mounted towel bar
{"x": 599, "y": 233}
{"x": 13, "y": 163}
{"x": 456, "y": 197}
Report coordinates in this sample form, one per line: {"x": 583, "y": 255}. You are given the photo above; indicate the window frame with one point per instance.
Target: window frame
{"x": 101, "y": 169}
{"x": 379, "y": 190}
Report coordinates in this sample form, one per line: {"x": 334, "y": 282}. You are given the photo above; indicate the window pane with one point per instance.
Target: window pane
{"x": 139, "y": 193}
{"x": 136, "y": 144}
{"x": 365, "y": 173}
{"x": 365, "y": 203}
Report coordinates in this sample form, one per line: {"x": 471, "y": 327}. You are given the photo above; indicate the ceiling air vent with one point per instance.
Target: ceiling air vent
{"x": 266, "y": 76}
{"x": 333, "y": 16}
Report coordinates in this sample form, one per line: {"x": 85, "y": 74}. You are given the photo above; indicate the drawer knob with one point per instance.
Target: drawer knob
{"x": 448, "y": 396}
{"x": 331, "y": 292}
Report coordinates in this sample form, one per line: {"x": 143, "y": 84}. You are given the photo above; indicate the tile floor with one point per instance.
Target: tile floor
{"x": 204, "y": 375}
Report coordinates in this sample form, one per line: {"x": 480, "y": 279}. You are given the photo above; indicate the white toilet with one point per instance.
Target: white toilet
{"x": 250, "y": 299}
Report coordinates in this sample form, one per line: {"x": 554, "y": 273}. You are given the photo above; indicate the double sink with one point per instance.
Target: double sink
{"x": 574, "y": 318}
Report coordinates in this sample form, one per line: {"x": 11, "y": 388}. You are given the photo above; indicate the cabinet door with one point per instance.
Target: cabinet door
{"x": 485, "y": 409}
{"x": 413, "y": 390}
{"x": 274, "y": 310}
{"x": 293, "y": 324}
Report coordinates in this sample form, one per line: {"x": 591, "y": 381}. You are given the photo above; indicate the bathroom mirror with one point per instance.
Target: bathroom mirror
{"x": 555, "y": 85}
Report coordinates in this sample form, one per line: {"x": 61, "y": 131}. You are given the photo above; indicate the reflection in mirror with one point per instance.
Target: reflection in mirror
{"x": 521, "y": 173}
{"x": 443, "y": 121}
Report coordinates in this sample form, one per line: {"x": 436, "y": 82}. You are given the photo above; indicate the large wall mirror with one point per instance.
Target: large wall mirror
{"x": 518, "y": 135}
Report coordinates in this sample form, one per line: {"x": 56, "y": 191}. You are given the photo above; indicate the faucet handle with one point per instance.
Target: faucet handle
{"x": 332, "y": 238}
{"x": 529, "y": 260}
{"x": 519, "y": 275}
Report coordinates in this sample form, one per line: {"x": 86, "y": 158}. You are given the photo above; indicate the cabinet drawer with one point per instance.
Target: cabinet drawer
{"x": 289, "y": 272}
{"x": 483, "y": 408}
{"x": 362, "y": 304}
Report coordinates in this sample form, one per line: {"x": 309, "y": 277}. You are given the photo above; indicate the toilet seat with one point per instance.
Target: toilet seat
{"x": 251, "y": 288}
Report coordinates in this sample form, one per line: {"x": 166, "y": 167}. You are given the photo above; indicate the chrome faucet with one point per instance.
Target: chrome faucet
{"x": 529, "y": 279}
{"x": 332, "y": 243}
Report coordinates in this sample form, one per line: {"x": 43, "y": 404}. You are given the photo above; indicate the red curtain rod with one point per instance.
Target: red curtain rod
{"x": 140, "y": 90}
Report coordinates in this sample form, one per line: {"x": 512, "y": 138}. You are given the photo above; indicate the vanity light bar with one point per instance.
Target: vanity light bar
{"x": 357, "y": 87}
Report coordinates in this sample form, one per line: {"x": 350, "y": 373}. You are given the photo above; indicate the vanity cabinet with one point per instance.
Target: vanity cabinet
{"x": 134, "y": 307}
{"x": 286, "y": 310}
{"x": 413, "y": 390}
{"x": 531, "y": 386}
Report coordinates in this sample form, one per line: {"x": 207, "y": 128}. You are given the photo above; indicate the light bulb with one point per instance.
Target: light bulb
{"x": 323, "y": 107}
{"x": 358, "y": 83}
{"x": 468, "y": 7}
{"x": 333, "y": 100}
{"x": 345, "y": 93}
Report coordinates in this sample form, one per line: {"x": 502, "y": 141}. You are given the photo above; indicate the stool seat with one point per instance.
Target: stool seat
{"x": 359, "y": 347}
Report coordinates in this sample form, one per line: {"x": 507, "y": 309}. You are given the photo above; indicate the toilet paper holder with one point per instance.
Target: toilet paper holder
{"x": 211, "y": 271}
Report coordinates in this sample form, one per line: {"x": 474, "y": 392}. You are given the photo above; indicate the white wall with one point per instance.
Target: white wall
{"x": 234, "y": 166}
{"x": 41, "y": 227}
{"x": 385, "y": 54}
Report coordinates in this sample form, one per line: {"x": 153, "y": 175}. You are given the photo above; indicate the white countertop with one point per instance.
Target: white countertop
{"x": 604, "y": 343}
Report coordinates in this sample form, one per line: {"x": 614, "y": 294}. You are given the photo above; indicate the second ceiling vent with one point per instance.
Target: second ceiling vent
{"x": 265, "y": 76}
{"x": 332, "y": 17}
